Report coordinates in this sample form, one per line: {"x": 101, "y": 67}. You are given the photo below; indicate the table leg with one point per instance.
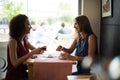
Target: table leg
{"x": 30, "y": 72}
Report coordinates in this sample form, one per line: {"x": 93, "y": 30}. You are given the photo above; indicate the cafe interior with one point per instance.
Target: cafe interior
{"x": 106, "y": 26}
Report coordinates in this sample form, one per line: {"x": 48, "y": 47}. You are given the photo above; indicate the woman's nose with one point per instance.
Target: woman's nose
{"x": 30, "y": 27}
{"x": 74, "y": 26}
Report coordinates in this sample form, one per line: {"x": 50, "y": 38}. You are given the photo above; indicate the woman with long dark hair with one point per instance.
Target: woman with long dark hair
{"x": 85, "y": 44}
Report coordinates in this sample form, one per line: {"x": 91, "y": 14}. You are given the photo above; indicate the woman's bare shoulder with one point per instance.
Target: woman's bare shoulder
{"x": 92, "y": 37}
{"x": 11, "y": 41}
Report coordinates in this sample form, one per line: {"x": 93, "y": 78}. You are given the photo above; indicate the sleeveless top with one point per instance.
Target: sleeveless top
{"x": 20, "y": 71}
{"x": 82, "y": 51}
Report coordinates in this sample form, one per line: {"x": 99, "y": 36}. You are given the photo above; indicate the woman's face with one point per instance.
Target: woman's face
{"x": 76, "y": 26}
{"x": 28, "y": 26}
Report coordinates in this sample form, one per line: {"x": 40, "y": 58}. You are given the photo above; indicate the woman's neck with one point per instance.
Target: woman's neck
{"x": 83, "y": 35}
{"x": 21, "y": 38}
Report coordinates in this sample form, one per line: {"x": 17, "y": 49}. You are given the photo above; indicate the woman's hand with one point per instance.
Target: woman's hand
{"x": 39, "y": 50}
{"x": 44, "y": 48}
{"x": 66, "y": 56}
{"x": 59, "y": 48}
{"x": 36, "y": 51}
{"x": 63, "y": 56}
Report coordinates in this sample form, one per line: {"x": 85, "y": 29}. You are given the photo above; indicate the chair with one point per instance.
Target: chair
{"x": 3, "y": 59}
{"x": 2, "y": 67}
{"x": 2, "y": 64}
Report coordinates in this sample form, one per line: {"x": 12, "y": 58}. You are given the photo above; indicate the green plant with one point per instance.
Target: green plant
{"x": 10, "y": 9}
{"x": 67, "y": 19}
{"x": 51, "y": 20}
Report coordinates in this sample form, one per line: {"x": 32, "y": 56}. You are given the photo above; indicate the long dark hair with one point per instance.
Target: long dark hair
{"x": 17, "y": 26}
{"x": 84, "y": 24}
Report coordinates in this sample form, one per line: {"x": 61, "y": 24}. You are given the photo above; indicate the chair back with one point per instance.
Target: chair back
{"x": 2, "y": 64}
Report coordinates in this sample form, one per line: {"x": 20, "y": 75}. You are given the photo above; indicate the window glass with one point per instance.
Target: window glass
{"x": 45, "y": 17}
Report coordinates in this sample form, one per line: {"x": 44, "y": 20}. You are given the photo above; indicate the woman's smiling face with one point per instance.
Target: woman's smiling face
{"x": 28, "y": 26}
{"x": 76, "y": 26}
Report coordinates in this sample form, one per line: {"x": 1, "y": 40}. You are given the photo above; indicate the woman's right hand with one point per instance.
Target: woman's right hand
{"x": 59, "y": 48}
{"x": 37, "y": 51}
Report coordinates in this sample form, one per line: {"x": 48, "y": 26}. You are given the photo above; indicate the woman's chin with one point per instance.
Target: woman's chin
{"x": 28, "y": 32}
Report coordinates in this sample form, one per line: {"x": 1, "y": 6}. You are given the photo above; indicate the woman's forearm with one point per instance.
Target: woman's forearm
{"x": 66, "y": 50}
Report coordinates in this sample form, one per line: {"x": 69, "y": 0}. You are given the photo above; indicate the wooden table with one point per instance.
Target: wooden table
{"x": 30, "y": 65}
{"x": 80, "y": 77}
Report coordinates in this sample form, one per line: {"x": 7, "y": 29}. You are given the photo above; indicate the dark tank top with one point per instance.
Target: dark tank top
{"x": 82, "y": 51}
{"x": 20, "y": 71}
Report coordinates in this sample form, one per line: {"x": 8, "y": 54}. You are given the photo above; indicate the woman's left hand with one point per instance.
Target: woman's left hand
{"x": 66, "y": 56}
{"x": 63, "y": 56}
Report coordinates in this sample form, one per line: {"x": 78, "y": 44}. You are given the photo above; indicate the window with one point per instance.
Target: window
{"x": 49, "y": 12}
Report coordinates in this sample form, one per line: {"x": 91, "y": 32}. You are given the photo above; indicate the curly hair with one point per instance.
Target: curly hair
{"x": 17, "y": 26}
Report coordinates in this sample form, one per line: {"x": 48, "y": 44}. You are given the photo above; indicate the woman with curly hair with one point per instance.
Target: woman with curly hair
{"x": 19, "y": 49}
